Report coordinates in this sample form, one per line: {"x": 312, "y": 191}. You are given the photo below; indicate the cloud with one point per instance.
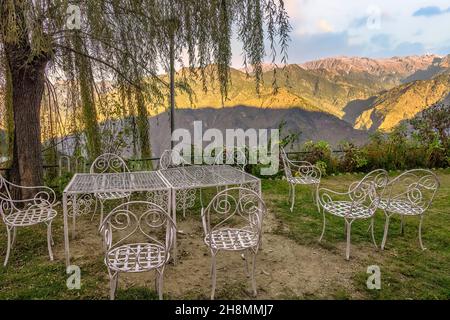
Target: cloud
{"x": 381, "y": 40}
{"x": 324, "y": 26}
{"x": 430, "y": 11}
{"x": 359, "y": 22}
{"x": 407, "y": 49}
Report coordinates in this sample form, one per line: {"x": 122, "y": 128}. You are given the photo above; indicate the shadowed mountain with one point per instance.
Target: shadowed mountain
{"x": 355, "y": 108}
{"x": 312, "y": 125}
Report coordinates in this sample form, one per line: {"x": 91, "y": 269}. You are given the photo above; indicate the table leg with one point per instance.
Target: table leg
{"x": 66, "y": 230}
{"x": 74, "y": 215}
{"x": 174, "y": 217}
{"x": 260, "y": 195}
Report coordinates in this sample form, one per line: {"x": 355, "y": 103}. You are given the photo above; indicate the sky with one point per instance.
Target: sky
{"x": 369, "y": 28}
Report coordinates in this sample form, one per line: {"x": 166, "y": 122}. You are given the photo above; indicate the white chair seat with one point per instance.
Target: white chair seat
{"x": 304, "y": 180}
{"x": 112, "y": 195}
{"x": 344, "y": 208}
{"x": 30, "y": 217}
{"x": 231, "y": 239}
{"x": 401, "y": 207}
{"x": 136, "y": 257}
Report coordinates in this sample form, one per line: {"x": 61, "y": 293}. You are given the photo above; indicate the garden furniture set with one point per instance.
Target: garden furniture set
{"x": 409, "y": 194}
{"x": 141, "y": 235}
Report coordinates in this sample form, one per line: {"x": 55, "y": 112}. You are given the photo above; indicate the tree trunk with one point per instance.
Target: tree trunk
{"x": 27, "y": 76}
{"x": 28, "y": 81}
{"x": 9, "y": 112}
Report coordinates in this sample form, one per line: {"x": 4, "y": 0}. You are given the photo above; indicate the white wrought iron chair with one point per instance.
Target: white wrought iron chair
{"x": 236, "y": 157}
{"x": 360, "y": 202}
{"x": 232, "y": 221}
{"x": 138, "y": 237}
{"x": 171, "y": 159}
{"x": 300, "y": 173}
{"x": 186, "y": 197}
{"x": 109, "y": 163}
{"x": 409, "y": 194}
{"x": 40, "y": 208}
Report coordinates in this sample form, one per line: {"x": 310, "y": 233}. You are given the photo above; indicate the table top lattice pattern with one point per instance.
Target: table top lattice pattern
{"x": 116, "y": 182}
{"x": 206, "y": 176}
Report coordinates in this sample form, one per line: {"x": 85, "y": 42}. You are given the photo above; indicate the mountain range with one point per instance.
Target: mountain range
{"x": 367, "y": 93}
{"x": 333, "y": 99}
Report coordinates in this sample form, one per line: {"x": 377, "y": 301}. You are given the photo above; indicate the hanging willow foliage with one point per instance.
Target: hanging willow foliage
{"x": 125, "y": 43}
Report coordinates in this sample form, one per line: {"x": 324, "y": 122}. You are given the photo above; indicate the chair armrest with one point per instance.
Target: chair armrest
{"x": 325, "y": 195}
{"x": 42, "y": 193}
{"x": 300, "y": 163}
{"x": 309, "y": 170}
{"x": 35, "y": 202}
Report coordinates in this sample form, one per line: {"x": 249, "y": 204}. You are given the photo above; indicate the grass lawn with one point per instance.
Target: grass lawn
{"x": 291, "y": 265}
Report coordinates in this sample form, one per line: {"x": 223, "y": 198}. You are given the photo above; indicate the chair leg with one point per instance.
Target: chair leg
{"x": 420, "y": 233}
{"x": 101, "y": 212}
{"x": 201, "y": 197}
{"x": 128, "y": 200}
{"x": 290, "y": 192}
{"x": 95, "y": 209}
{"x": 213, "y": 274}
{"x": 13, "y": 242}
{"x": 323, "y": 226}
{"x": 402, "y": 224}
{"x": 49, "y": 240}
{"x": 317, "y": 197}
{"x": 160, "y": 283}
{"x": 113, "y": 282}
{"x": 184, "y": 204}
{"x": 372, "y": 227}
{"x": 293, "y": 197}
{"x": 246, "y": 263}
{"x": 8, "y": 250}
{"x": 255, "y": 292}
{"x": 386, "y": 230}
{"x": 349, "y": 229}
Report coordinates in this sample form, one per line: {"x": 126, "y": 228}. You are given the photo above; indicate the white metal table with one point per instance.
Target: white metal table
{"x": 79, "y": 195}
{"x": 199, "y": 177}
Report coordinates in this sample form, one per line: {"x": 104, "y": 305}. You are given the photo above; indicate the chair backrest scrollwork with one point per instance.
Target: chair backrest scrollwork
{"x": 237, "y": 208}
{"x": 370, "y": 190}
{"x": 138, "y": 222}
{"x": 302, "y": 168}
{"x": 232, "y": 156}
{"x": 171, "y": 159}
{"x": 109, "y": 163}
{"x": 416, "y": 187}
{"x": 41, "y": 196}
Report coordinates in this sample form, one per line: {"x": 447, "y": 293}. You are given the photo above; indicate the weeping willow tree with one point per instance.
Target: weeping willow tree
{"x": 125, "y": 43}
